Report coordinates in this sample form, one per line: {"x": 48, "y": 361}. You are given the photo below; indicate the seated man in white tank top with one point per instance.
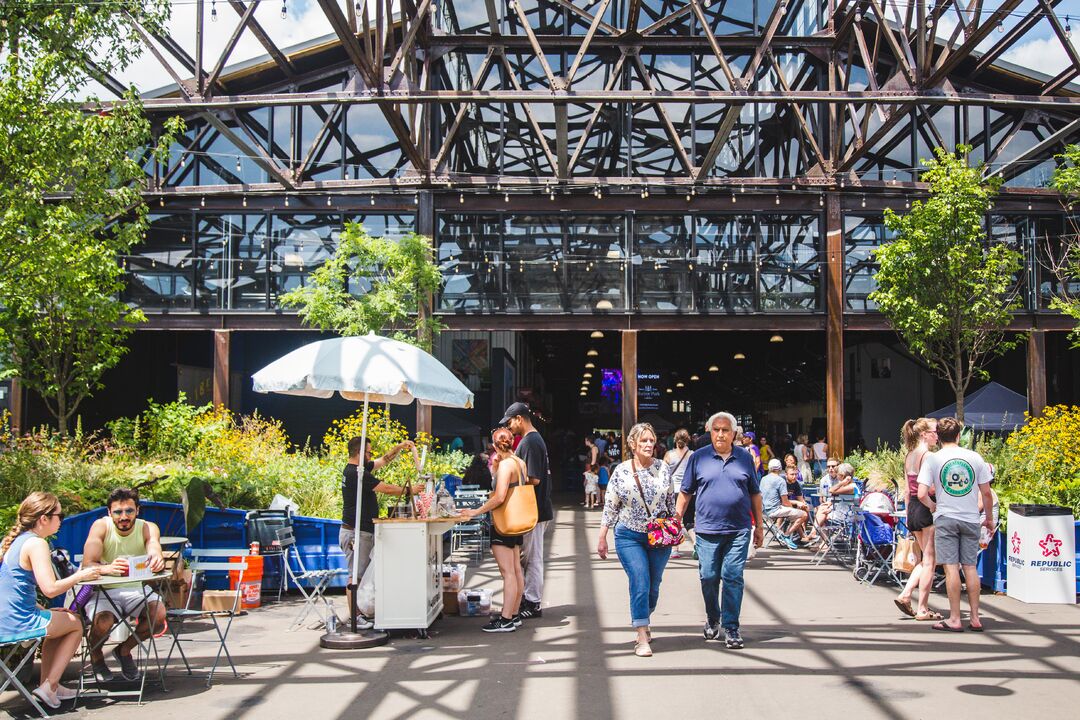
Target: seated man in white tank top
{"x": 114, "y": 538}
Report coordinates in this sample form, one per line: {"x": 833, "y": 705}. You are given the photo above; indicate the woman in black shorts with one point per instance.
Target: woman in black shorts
{"x": 506, "y": 548}
{"x": 919, "y": 436}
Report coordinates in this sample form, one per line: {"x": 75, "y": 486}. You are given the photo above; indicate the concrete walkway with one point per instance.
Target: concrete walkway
{"x": 818, "y": 645}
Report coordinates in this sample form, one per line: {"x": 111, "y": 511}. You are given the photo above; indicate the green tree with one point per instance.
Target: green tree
{"x": 943, "y": 287}
{"x": 372, "y": 284}
{"x": 1063, "y": 252}
{"x": 71, "y": 176}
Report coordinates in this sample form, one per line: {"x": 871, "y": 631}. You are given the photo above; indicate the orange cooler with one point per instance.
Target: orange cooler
{"x": 251, "y": 587}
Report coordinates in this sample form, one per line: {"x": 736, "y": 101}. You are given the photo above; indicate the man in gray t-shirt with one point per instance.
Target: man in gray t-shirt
{"x": 775, "y": 503}
{"x": 958, "y": 477}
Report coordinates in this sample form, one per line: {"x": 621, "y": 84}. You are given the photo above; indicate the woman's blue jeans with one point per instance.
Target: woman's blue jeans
{"x": 644, "y": 565}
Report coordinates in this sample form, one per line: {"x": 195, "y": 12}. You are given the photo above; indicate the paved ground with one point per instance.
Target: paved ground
{"x": 818, "y": 645}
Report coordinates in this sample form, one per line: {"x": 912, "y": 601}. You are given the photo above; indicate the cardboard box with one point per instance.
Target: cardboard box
{"x": 220, "y": 600}
{"x": 177, "y": 591}
{"x": 450, "y": 603}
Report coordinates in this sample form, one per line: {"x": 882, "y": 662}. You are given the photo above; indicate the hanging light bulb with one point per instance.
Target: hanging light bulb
{"x": 183, "y": 160}
{"x": 461, "y": 198}
{"x": 286, "y": 201}
{"x": 284, "y": 9}
{"x": 161, "y": 201}
{"x": 416, "y": 199}
{"x": 213, "y": 10}
{"x": 778, "y": 198}
{"x": 238, "y": 168}
{"x": 202, "y": 201}
{"x": 1068, "y": 28}
{"x": 907, "y": 203}
{"x": 864, "y": 201}
{"x": 245, "y": 201}
{"x": 1001, "y": 26}
{"x": 359, "y": 7}
{"x": 327, "y": 201}
{"x": 733, "y": 197}
{"x": 371, "y": 199}
{"x": 506, "y": 197}
{"x": 821, "y": 201}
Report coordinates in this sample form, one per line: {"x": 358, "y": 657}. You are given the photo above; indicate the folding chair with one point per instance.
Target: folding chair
{"x": 10, "y": 649}
{"x": 261, "y": 526}
{"x": 318, "y": 580}
{"x": 837, "y": 535}
{"x": 874, "y": 547}
{"x": 179, "y": 616}
{"x": 772, "y": 531}
{"x": 472, "y": 538}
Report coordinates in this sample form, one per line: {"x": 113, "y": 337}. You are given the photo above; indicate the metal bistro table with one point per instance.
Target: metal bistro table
{"x": 145, "y": 647}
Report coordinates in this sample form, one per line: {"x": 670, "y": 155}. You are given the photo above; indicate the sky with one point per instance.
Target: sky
{"x": 304, "y": 21}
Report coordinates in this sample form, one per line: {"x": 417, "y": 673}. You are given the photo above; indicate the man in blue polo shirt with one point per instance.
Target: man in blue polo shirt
{"x": 723, "y": 480}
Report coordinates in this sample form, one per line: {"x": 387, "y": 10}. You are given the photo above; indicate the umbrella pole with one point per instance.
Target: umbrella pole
{"x": 359, "y": 505}
{"x": 354, "y": 640}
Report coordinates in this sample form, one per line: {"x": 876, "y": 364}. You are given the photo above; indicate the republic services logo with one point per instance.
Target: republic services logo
{"x": 1015, "y": 539}
{"x": 1051, "y": 546}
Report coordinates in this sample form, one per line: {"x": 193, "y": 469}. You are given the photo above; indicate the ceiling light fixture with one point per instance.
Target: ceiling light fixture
{"x": 714, "y": 368}
{"x": 776, "y": 339}
{"x": 739, "y": 356}
{"x": 589, "y": 366}
{"x": 604, "y": 305}
{"x": 694, "y": 377}
{"x": 592, "y": 353}
{"x": 596, "y": 334}
{"x": 679, "y": 385}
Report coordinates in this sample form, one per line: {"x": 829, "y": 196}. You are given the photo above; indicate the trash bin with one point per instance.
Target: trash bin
{"x": 1042, "y": 554}
{"x": 251, "y": 587}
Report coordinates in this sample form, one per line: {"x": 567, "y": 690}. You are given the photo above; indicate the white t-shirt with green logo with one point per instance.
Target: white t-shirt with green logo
{"x": 955, "y": 473}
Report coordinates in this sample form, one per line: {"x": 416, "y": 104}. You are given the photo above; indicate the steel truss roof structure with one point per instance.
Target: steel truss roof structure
{"x": 613, "y": 94}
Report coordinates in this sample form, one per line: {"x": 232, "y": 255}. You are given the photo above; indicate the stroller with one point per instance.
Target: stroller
{"x": 874, "y": 546}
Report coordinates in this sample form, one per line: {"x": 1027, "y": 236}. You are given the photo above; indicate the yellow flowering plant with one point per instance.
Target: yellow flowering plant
{"x": 1044, "y": 460}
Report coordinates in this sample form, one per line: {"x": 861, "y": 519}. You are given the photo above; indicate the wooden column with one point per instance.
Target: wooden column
{"x": 17, "y": 408}
{"x": 834, "y": 325}
{"x": 1036, "y": 372}
{"x": 222, "y": 344}
{"x": 425, "y": 225}
{"x": 629, "y": 383}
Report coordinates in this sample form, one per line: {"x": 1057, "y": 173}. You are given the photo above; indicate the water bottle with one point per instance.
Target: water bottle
{"x": 826, "y": 483}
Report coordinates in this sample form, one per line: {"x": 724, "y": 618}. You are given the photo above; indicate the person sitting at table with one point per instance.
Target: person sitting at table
{"x": 797, "y": 499}
{"x": 113, "y": 539}
{"x": 25, "y": 567}
{"x": 842, "y": 484}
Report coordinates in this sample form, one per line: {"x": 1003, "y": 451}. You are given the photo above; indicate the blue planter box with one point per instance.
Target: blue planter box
{"x": 316, "y": 538}
{"x": 993, "y": 562}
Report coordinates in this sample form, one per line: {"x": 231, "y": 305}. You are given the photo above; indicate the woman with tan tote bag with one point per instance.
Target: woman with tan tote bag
{"x": 512, "y": 504}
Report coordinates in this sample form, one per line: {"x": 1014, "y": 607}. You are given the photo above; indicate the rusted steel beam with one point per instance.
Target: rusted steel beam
{"x": 231, "y": 45}
{"x": 253, "y": 150}
{"x": 946, "y": 66}
{"x": 283, "y": 62}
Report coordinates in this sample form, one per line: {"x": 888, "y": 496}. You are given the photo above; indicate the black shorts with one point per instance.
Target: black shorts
{"x": 506, "y": 540}
{"x": 919, "y": 516}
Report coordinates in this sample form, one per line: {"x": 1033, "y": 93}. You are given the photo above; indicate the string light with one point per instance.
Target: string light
{"x": 284, "y": 9}
{"x": 733, "y": 197}
{"x": 461, "y": 198}
{"x": 286, "y": 200}
{"x": 245, "y": 201}
{"x": 202, "y": 201}
{"x": 372, "y": 199}
{"x": 213, "y": 10}
{"x": 778, "y": 198}
{"x": 327, "y": 201}
{"x": 238, "y": 168}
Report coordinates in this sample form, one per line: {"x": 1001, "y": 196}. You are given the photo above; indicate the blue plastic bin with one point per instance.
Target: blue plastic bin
{"x": 316, "y": 538}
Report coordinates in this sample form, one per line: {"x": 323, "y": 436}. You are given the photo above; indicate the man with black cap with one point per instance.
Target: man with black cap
{"x": 533, "y": 450}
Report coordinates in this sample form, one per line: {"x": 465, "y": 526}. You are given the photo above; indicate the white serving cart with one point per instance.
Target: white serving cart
{"x": 408, "y": 572}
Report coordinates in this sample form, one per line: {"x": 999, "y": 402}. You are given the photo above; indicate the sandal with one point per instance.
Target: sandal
{"x": 905, "y": 607}
{"x": 928, "y": 615}
{"x": 945, "y": 627}
{"x": 975, "y": 628}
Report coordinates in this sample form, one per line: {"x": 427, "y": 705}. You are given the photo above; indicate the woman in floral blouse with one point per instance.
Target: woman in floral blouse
{"x": 639, "y": 491}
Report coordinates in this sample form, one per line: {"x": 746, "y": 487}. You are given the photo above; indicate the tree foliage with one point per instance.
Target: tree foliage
{"x": 943, "y": 287}
{"x": 1063, "y": 253}
{"x": 71, "y": 176}
{"x": 372, "y": 284}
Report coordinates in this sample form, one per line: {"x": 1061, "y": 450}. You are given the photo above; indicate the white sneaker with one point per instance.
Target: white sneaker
{"x": 46, "y": 696}
{"x": 362, "y": 623}
{"x": 66, "y": 693}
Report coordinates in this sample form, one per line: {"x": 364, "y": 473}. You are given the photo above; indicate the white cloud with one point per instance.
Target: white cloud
{"x": 1045, "y": 55}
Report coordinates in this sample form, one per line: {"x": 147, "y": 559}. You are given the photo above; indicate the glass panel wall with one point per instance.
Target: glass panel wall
{"x": 160, "y": 271}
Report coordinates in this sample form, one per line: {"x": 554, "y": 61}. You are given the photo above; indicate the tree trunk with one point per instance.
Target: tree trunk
{"x": 61, "y": 412}
{"x": 958, "y": 386}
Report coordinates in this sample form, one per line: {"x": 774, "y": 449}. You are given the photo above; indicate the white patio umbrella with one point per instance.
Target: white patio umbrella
{"x": 369, "y": 368}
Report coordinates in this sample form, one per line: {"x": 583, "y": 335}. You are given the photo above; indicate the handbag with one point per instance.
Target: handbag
{"x": 518, "y": 514}
{"x": 904, "y": 556}
{"x": 662, "y": 531}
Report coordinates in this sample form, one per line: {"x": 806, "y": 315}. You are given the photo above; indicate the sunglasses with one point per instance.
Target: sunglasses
{"x": 830, "y": 467}
{"x": 56, "y": 515}
{"x": 124, "y": 511}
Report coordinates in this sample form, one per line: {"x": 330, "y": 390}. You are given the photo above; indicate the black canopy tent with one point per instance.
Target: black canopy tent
{"x": 991, "y": 408}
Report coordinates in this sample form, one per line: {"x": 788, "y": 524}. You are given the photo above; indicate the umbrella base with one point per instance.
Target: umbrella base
{"x": 345, "y": 639}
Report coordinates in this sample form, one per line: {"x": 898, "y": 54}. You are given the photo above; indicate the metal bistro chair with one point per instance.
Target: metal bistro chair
{"x": 472, "y": 538}
{"x": 179, "y": 616}
{"x": 9, "y": 648}
{"x": 318, "y": 580}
